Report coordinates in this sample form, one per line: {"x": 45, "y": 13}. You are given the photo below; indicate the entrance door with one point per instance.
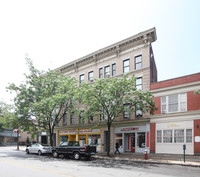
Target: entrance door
{"x": 82, "y": 140}
{"x": 133, "y": 143}
{"x": 43, "y": 139}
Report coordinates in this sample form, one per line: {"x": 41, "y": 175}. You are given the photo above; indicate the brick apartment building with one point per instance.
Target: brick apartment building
{"x": 133, "y": 55}
{"x": 177, "y": 120}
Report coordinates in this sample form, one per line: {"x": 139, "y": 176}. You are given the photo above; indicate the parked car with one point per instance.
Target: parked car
{"x": 73, "y": 149}
{"x": 38, "y": 149}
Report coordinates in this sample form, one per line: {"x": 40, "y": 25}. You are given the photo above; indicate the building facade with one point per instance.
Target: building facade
{"x": 177, "y": 120}
{"x": 133, "y": 55}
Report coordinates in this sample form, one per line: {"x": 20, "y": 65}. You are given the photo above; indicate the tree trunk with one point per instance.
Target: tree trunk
{"x": 108, "y": 139}
{"x": 51, "y": 135}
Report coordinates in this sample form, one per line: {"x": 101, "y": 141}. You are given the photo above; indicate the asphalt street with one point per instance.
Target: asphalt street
{"x": 17, "y": 163}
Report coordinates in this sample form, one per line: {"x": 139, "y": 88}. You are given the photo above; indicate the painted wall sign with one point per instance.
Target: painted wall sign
{"x": 125, "y": 129}
{"x": 89, "y": 131}
{"x": 64, "y": 132}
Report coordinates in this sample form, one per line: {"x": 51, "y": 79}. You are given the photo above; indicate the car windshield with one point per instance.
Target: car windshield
{"x": 70, "y": 143}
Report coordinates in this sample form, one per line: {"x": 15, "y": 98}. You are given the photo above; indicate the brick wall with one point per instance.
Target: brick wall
{"x": 193, "y": 101}
{"x": 152, "y": 137}
{"x": 176, "y": 81}
{"x": 196, "y": 133}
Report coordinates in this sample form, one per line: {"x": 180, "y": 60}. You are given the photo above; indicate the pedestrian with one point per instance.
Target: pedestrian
{"x": 117, "y": 148}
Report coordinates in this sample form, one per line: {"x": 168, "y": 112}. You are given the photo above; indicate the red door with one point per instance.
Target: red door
{"x": 133, "y": 143}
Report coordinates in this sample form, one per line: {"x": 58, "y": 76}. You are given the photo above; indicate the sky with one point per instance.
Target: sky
{"x": 55, "y": 32}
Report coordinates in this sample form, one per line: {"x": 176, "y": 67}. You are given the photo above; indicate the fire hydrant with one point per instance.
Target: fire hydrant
{"x": 145, "y": 154}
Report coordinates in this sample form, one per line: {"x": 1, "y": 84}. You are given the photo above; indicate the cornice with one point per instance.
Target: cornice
{"x": 180, "y": 88}
{"x": 103, "y": 124}
{"x": 189, "y": 115}
{"x": 145, "y": 37}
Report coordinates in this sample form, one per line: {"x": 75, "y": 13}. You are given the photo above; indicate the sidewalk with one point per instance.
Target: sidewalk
{"x": 169, "y": 159}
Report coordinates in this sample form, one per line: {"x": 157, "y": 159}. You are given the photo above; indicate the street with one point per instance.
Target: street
{"x": 17, "y": 163}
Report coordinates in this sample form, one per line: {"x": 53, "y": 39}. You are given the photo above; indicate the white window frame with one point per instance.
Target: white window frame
{"x": 182, "y": 103}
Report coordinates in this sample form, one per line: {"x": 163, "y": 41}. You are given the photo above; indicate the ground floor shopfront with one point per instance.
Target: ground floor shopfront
{"x": 168, "y": 135}
{"x": 83, "y": 136}
{"x": 133, "y": 138}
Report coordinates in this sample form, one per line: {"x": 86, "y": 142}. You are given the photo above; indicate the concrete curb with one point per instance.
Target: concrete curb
{"x": 150, "y": 161}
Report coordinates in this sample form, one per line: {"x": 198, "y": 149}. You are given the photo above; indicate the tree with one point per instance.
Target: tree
{"x": 109, "y": 98}
{"x": 43, "y": 99}
{"x": 8, "y": 119}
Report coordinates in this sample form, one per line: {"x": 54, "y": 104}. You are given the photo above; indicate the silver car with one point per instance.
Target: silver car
{"x": 38, "y": 149}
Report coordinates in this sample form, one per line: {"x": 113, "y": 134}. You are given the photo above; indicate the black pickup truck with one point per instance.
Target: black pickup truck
{"x": 72, "y": 148}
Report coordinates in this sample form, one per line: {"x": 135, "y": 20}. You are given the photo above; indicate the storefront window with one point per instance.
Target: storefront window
{"x": 141, "y": 139}
{"x": 118, "y": 139}
{"x": 94, "y": 140}
{"x": 188, "y": 135}
{"x": 167, "y": 136}
{"x": 63, "y": 139}
{"x": 159, "y": 136}
{"x": 179, "y": 136}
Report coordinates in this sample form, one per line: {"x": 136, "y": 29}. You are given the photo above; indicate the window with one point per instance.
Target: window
{"x": 159, "y": 136}
{"x": 65, "y": 119}
{"x": 163, "y": 104}
{"x": 100, "y": 72}
{"x": 94, "y": 140}
{"x": 81, "y": 119}
{"x": 188, "y": 135}
{"x": 91, "y": 76}
{"x": 63, "y": 139}
{"x": 107, "y": 71}
{"x": 167, "y": 136}
{"x": 138, "y": 62}
{"x": 141, "y": 139}
{"x": 174, "y": 103}
{"x": 138, "y": 111}
{"x": 179, "y": 136}
{"x": 103, "y": 116}
{"x": 126, "y": 111}
{"x": 72, "y": 118}
{"x": 183, "y": 102}
{"x": 139, "y": 83}
{"x": 126, "y": 66}
{"x": 81, "y": 78}
{"x": 114, "y": 69}
{"x": 90, "y": 119}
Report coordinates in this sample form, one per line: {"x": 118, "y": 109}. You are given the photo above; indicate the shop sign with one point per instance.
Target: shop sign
{"x": 126, "y": 129}
{"x": 68, "y": 132}
{"x": 197, "y": 139}
{"x": 89, "y": 131}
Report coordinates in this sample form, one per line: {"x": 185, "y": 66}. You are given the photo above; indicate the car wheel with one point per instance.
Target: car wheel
{"x": 76, "y": 156}
{"x": 55, "y": 154}
{"x": 27, "y": 151}
{"x": 39, "y": 152}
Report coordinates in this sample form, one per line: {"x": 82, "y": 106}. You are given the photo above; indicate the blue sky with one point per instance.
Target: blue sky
{"x": 55, "y": 32}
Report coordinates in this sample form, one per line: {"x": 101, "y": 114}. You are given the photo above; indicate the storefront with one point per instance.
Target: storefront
{"x": 133, "y": 138}
{"x": 83, "y": 136}
{"x": 90, "y": 137}
{"x": 67, "y": 135}
{"x": 171, "y": 136}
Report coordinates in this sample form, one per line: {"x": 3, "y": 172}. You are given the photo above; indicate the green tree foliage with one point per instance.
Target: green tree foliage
{"x": 43, "y": 99}
{"x": 108, "y": 97}
{"x": 7, "y": 116}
